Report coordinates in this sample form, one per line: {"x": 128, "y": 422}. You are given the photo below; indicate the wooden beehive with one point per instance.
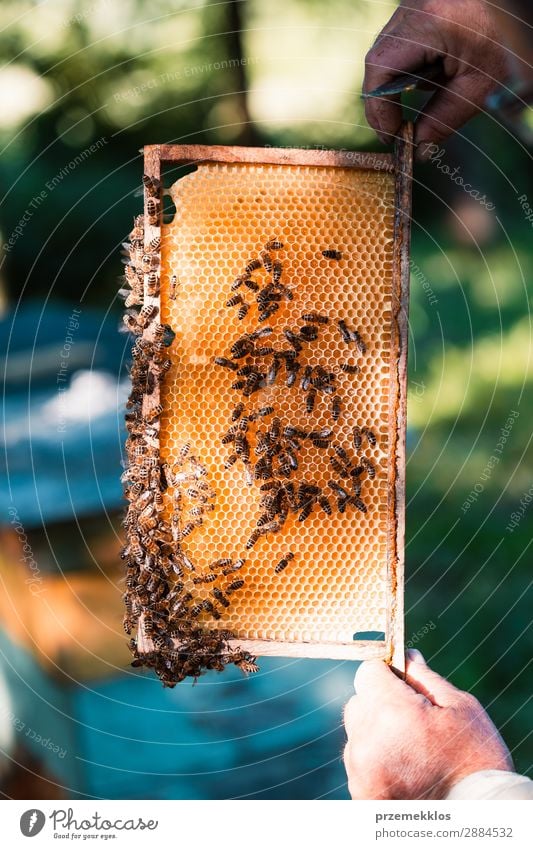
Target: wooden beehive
{"x": 295, "y": 432}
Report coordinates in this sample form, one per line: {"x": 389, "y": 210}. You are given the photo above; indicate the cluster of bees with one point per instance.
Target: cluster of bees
{"x": 161, "y": 597}
{"x": 269, "y": 449}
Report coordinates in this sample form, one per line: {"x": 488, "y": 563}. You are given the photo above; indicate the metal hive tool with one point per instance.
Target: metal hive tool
{"x": 267, "y": 420}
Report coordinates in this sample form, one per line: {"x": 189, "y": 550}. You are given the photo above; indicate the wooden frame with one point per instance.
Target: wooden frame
{"x": 156, "y": 158}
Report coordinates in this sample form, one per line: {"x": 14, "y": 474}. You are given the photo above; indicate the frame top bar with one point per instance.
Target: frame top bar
{"x": 184, "y": 153}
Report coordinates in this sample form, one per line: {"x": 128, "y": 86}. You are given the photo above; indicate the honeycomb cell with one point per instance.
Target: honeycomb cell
{"x": 335, "y": 585}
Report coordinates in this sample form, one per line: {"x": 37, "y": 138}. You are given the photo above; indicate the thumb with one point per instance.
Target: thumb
{"x": 375, "y": 678}
{"x": 424, "y": 680}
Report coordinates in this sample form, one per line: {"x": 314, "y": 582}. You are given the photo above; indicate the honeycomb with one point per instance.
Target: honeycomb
{"x": 331, "y": 580}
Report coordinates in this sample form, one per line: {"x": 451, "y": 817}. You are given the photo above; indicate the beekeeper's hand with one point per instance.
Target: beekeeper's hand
{"x": 415, "y": 739}
{"x": 464, "y": 36}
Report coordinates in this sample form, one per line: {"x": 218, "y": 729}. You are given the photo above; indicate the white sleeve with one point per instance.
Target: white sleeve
{"x": 492, "y": 784}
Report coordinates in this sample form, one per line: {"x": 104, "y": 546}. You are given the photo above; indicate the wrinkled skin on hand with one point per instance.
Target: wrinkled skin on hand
{"x": 415, "y": 739}
{"x": 464, "y": 36}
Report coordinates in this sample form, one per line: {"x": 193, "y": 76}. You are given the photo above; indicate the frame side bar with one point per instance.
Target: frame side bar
{"x": 400, "y": 310}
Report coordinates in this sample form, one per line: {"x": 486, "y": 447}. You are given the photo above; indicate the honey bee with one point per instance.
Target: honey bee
{"x": 261, "y": 413}
{"x": 336, "y": 407}
{"x": 340, "y": 452}
{"x": 306, "y": 378}
{"x": 284, "y": 467}
{"x": 234, "y": 586}
{"x": 184, "y": 452}
{"x": 153, "y": 283}
{"x": 273, "y": 371}
{"x": 242, "y": 347}
{"x": 174, "y": 283}
{"x": 339, "y": 468}
{"x": 356, "y": 501}
{"x": 154, "y": 413}
{"x": 248, "y": 371}
{"x": 131, "y": 323}
{"x": 149, "y": 262}
{"x": 274, "y": 245}
{"x": 358, "y": 339}
{"x": 292, "y": 373}
{"x": 146, "y": 314}
{"x": 331, "y": 253}
{"x": 134, "y": 298}
{"x": 345, "y": 333}
{"x": 357, "y": 440}
{"x": 252, "y": 266}
{"x": 225, "y": 363}
{"x": 315, "y": 318}
{"x": 238, "y": 281}
{"x": 267, "y": 312}
{"x": 310, "y": 401}
{"x": 284, "y": 562}
{"x": 242, "y": 448}
{"x": 370, "y": 469}
{"x": 234, "y": 567}
{"x": 161, "y": 368}
{"x": 266, "y": 260}
{"x": 260, "y": 333}
{"x": 348, "y": 368}
{"x": 151, "y": 184}
{"x": 186, "y": 531}
{"x": 247, "y": 664}
{"x": 338, "y": 490}
{"x": 205, "y": 579}
{"x": 308, "y": 332}
{"x": 234, "y": 300}
{"x": 237, "y": 412}
{"x": 147, "y": 523}
{"x": 371, "y": 438}
{"x": 325, "y": 504}
{"x": 292, "y": 459}
{"x": 138, "y": 229}
{"x": 242, "y": 312}
{"x": 293, "y": 340}
{"x": 219, "y": 595}
{"x": 306, "y": 511}
{"x": 164, "y": 334}
{"x": 277, "y": 269}
{"x": 219, "y": 564}
{"x": 275, "y": 428}
{"x": 264, "y": 350}
{"x": 230, "y": 461}
{"x": 254, "y": 537}
{"x": 152, "y": 210}
{"x": 251, "y": 284}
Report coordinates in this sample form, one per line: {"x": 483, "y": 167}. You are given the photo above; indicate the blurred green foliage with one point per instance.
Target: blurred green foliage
{"x": 130, "y": 73}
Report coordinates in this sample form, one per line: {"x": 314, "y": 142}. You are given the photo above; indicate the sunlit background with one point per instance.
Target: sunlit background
{"x": 83, "y": 86}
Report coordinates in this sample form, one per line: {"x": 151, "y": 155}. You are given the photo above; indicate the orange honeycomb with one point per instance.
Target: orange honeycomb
{"x": 336, "y": 583}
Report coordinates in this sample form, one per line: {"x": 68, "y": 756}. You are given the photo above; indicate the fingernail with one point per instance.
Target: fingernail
{"x": 415, "y": 656}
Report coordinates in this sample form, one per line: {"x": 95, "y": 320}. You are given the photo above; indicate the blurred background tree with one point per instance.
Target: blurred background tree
{"x": 118, "y": 75}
